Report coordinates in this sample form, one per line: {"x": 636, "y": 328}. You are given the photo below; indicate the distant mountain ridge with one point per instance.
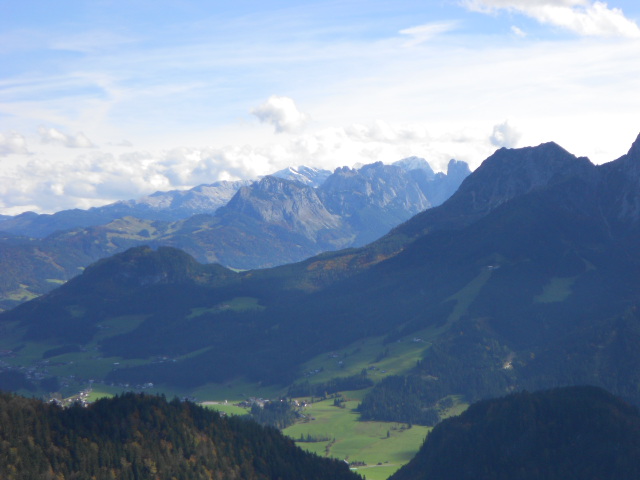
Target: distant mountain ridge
{"x": 163, "y": 206}
{"x": 245, "y": 225}
{"x": 203, "y": 199}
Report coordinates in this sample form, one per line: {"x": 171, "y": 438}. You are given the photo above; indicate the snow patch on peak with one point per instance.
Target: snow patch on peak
{"x": 311, "y": 176}
{"x": 415, "y": 163}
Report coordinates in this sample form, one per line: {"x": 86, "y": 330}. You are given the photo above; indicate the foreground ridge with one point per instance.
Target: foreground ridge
{"x": 575, "y": 432}
{"x": 135, "y": 436}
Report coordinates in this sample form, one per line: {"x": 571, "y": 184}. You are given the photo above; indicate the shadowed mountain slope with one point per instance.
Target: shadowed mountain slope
{"x": 566, "y": 433}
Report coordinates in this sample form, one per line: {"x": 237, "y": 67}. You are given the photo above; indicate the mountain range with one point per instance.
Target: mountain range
{"x": 527, "y": 277}
{"x": 286, "y": 217}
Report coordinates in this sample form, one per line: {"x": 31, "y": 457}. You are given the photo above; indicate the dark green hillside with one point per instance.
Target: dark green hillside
{"x": 568, "y": 433}
{"x": 143, "y": 437}
{"x": 33, "y": 266}
{"x": 128, "y": 283}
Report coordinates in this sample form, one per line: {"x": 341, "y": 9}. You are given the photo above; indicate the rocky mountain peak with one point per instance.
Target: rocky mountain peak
{"x": 348, "y": 190}
{"x": 458, "y": 169}
{"x": 512, "y": 172}
{"x": 415, "y": 163}
{"x": 282, "y": 202}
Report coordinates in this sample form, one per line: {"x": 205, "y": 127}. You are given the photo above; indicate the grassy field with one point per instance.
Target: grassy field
{"x": 383, "y": 447}
{"x": 227, "y": 408}
{"x": 391, "y": 359}
{"x": 101, "y": 392}
{"x": 22, "y": 294}
{"x": 466, "y": 296}
{"x": 557, "y": 290}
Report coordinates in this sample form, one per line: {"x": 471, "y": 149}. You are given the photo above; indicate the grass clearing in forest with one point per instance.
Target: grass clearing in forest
{"x": 383, "y": 447}
{"x": 372, "y": 355}
{"x": 557, "y": 290}
{"x": 228, "y": 408}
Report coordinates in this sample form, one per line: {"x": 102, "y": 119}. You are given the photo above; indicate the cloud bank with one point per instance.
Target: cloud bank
{"x": 50, "y": 180}
{"x": 583, "y": 17}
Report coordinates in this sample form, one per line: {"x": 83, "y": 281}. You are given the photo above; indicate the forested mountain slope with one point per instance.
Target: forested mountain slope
{"x": 567, "y": 433}
{"x": 142, "y": 437}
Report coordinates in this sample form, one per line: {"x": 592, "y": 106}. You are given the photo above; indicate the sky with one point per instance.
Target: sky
{"x": 106, "y": 100}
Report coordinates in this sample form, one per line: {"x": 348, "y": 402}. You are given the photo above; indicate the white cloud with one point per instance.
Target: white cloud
{"x": 12, "y": 143}
{"x": 423, "y": 33}
{"x": 282, "y": 113}
{"x": 584, "y": 17}
{"x": 53, "y": 135}
{"x": 518, "y": 32}
{"x": 505, "y": 135}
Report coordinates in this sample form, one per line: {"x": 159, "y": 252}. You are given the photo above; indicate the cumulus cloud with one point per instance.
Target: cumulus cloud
{"x": 282, "y": 113}
{"x": 12, "y": 143}
{"x": 53, "y": 135}
{"x": 505, "y": 135}
{"x": 583, "y": 17}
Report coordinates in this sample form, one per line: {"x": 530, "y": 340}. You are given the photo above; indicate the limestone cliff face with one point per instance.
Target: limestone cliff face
{"x": 352, "y": 206}
{"x": 373, "y": 199}
{"x": 383, "y": 186}
{"x": 284, "y": 203}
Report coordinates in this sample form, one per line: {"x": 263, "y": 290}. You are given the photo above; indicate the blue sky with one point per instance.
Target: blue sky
{"x": 109, "y": 100}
